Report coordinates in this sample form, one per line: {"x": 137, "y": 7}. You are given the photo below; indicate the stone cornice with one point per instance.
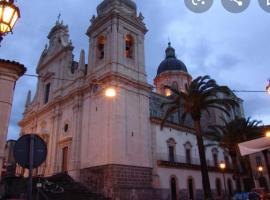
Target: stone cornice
{"x": 55, "y": 102}
{"x": 101, "y": 20}
{"x": 12, "y": 68}
{"x": 48, "y": 61}
{"x": 168, "y": 74}
{"x": 157, "y": 121}
{"x": 82, "y": 89}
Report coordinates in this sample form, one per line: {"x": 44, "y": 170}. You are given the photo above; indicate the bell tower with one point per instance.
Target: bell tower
{"x": 117, "y": 153}
{"x": 117, "y": 41}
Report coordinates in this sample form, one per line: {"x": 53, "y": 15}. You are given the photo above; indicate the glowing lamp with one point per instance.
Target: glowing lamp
{"x": 222, "y": 165}
{"x": 267, "y": 134}
{"x": 110, "y": 92}
{"x": 260, "y": 168}
{"x": 9, "y": 15}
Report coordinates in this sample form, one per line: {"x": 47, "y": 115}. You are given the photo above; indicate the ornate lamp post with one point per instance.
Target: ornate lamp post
{"x": 222, "y": 166}
{"x": 10, "y": 71}
{"x": 9, "y": 14}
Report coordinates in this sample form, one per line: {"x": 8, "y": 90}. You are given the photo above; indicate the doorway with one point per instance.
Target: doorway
{"x": 65, "y": 159}
{"x": 173, "y": 189}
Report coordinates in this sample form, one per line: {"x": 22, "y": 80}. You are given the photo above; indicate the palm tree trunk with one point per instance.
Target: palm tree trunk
{"x": 204, "y": 170}
{"x": 265, "y": 154}
{"x": 250, "y": 172}
{"x": 236, "y": 174}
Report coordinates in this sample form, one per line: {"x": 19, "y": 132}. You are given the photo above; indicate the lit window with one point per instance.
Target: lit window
{"x": 168, "y": 92}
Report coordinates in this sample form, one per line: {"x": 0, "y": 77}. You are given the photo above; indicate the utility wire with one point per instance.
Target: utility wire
{"x": 63, "y": 79}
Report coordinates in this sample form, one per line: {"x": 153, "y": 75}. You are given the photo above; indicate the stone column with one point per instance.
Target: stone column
{"x": 10, "y": 72}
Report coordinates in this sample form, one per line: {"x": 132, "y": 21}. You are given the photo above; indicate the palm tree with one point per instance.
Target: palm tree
{"x": 229, "y": 135}
{"x": 202, "y": 94}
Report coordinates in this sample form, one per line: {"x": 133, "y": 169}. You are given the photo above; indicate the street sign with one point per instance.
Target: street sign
{"x": 22, "y": 151}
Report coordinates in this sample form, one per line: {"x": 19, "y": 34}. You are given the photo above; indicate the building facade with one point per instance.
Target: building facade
{"x": 114, "y": 145}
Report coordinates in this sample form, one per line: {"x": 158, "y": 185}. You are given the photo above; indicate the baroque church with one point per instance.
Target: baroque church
{"x": 114, "y": 145}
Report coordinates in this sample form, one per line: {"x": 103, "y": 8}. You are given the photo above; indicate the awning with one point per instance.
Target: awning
{"x": 254, "y": 146}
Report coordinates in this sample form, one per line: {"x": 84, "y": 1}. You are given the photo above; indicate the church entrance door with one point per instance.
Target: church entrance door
{"x": 65, "y": 159}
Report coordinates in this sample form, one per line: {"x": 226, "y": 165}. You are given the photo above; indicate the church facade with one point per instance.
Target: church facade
{"x": 114, "y": 145}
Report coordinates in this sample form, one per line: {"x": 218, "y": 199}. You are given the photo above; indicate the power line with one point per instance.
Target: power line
{"x": 63, "y": 79}
{"x": 249, "y": 91}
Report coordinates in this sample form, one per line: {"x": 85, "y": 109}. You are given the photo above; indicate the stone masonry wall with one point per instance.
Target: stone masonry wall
{"x": 119, "y": 182}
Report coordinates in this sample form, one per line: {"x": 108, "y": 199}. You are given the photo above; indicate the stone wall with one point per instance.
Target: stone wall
{"x": 119, "y": 182}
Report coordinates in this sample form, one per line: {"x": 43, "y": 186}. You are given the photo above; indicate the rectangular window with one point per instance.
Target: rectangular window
{"x": 188, "y": 156}
{"x": 171, "y": 154}
{"x": 47, "y": 93}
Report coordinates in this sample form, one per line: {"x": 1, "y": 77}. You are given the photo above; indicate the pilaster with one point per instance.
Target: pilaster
{"x": 9, "y": 74}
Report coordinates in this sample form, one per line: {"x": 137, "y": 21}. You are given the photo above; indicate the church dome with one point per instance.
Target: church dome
{"x": 171, "y": 63}
{"x": 107, "y": 5}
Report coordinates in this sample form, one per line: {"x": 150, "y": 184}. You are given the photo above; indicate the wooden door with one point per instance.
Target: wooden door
{"x": 65, "y": 159}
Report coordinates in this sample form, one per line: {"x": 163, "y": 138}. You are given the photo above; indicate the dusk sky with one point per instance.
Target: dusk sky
{"x": 234, "y": 49}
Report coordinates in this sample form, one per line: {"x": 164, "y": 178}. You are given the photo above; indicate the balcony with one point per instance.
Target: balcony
{"x": 182, "y": 162}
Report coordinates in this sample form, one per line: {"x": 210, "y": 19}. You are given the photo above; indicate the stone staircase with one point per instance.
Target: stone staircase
{"x": 72, "y": 190}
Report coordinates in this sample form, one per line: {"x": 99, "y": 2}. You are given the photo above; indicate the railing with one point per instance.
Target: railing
{"x": 183, "y": 160}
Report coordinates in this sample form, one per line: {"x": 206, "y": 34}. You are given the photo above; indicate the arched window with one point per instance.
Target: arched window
{"x": 218, "y": 187}
{"x": 230, "y": 187}
{"x": 171, "y": 146}
{"x": 173, "y": 186}
{"x": 129, "y": 46}
{"x": 191, "y": 188}
{"x": 188, "y": 148}
{"x": 101, "y": 47}
{"x": 215, "y": 156}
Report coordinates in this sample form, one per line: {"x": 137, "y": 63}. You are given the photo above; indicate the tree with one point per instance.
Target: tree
{"x": 229, "y": 135}
{"x": 202, "y": 94}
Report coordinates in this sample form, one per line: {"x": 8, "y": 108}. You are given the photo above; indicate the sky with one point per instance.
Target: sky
{"x": 232, "y": 48}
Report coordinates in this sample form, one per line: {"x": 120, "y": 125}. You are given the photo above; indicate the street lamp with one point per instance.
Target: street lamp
{"x": 260, "y": 169}
{"x": 110, "y": 92}
{"x": 222, "y": 166}
{"x": 267, "y": 134}
{"x": 9, "y": 15}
